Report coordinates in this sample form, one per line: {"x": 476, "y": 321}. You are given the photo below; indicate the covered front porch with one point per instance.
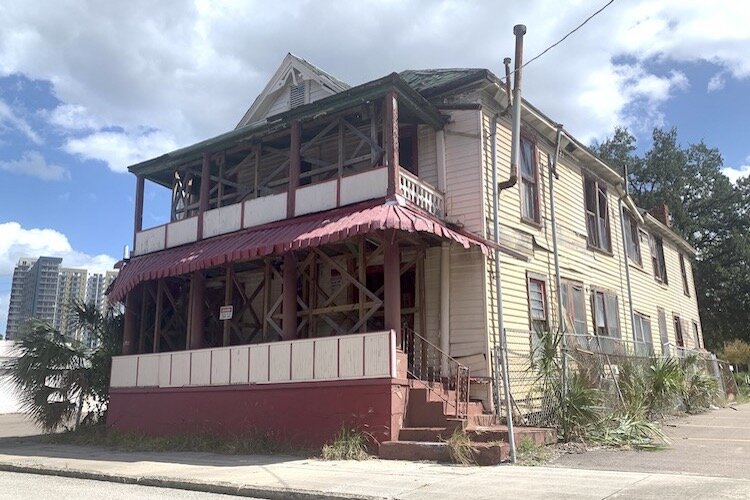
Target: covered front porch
{"x": 302, "y": 318}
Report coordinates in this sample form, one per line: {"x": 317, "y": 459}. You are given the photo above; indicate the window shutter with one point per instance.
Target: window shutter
{"x": 613, "y": 315}
{"x": 297, "y": 95}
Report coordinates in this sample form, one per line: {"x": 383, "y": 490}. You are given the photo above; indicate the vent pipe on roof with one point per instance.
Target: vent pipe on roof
{"x": 519, "y": 30}
{"x": 506, "y": 63}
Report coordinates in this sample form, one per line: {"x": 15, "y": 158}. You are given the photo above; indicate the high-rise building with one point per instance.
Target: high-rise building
{"x": 96, "y": 287}
{"x": 15, "y": 308}
{"x": 33, "y": 293}
{"x": 71, "y": 287}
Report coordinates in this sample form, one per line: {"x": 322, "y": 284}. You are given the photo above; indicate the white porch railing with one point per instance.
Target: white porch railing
{"x": 357, "y": 356}
{"x": 421, "y": 194}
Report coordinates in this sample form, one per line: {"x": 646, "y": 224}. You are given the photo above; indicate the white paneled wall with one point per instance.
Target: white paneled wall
{"x": 357, "y": 356}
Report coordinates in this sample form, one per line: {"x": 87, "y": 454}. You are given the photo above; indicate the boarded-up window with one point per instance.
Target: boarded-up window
{"x": 663, "y": 336}
{"x": 678, "y": 332}
{"x": 632, "y": 238}
{"x": 606, "y": 314}
{"x": 529, "y": 181}
{"x": 683, "y": 271}
{"x": 574, "y": 305}
{"x": 657, "y": 259}
{"x": 696, "y": 336}
{"x": 597, "y": 214}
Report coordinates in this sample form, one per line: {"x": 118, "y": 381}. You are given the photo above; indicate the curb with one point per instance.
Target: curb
{"x": 268, "y": 492}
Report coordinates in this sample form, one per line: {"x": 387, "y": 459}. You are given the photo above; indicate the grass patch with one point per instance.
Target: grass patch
{"x": 460, "y": 449}
{"x": 530, "y": 453}
{"x": 348, "y": 445}
{"x": 242, "y": 444}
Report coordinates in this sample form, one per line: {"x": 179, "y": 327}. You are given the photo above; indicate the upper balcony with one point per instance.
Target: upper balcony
{"x": 310, "y": 159}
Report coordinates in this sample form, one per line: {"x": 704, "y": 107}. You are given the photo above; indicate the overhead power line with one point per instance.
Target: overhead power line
{"x": 566, "y": 36}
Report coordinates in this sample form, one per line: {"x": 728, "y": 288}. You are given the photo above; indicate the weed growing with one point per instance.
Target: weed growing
{"x": 348, "y": 445}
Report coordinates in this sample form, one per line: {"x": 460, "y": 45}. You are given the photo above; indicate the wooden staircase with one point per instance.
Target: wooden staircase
{"x": 430, "y": 421}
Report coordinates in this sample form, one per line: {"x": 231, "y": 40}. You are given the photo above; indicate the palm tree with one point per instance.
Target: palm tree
{"x": 55, "y": 374}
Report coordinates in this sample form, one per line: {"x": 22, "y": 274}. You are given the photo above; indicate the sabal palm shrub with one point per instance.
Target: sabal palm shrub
{"x": 55, "y": 374}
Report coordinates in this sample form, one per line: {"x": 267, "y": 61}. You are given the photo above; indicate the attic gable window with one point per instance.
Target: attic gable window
{"x": 297, "y": 95}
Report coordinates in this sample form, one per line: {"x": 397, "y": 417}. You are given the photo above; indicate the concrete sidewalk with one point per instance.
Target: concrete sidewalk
{"x": 287, "y": 477}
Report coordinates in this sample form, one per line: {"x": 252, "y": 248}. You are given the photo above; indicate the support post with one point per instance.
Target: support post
{"x": 289, "y": 298}
{"x": 197, "y": 290}
{"x": 228, "y": 292}
{"x": 390, "y": 135}
{"x": 295, "y": 162}
{"x": 138, "y": 219}
{"x": 205, "y": 192}
{"x": 445, "y": 297}
{"x": 157, "y": 316}
{"x": 129, "y": 334}
{"x": 392, "y": 284}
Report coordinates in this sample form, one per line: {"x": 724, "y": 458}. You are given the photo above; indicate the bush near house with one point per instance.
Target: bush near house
{"x": 56, "y": 375}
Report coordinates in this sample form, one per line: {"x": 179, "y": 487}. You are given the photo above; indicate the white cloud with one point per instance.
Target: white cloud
{"x": 716, "y": 82}
{"x": 17, "y": 241}
{"x": 120, "y": 149}
{"x": 33, "y": 163}
{"x": 10, "y": 119}
{"x": 734, "y": 173}
{"x": 170, "y": 74}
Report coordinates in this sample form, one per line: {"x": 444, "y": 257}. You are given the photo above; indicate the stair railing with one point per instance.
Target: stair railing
{"x": 427, "y": 363}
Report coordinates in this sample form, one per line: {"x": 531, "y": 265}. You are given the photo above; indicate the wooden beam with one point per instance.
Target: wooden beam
{"x": 362, "y": 276}
{"x": 289, "y": 293}
{"x": 128, "y": 339}
{"x": 142, "y": 330}
{"x": 157, "y": 318}
{"x": 392, "y": 280}
{"x": 266, "y": 295}
{"x": 197, "y": 310}
{"x": 228, "y": 300}
{"x": 138, "y": 219}
{"x": 205, "y": 190}
{"x": 390, "y": 136}
{"x": 295, "y": 162}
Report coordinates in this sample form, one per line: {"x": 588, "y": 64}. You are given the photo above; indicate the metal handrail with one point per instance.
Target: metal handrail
{"x": 427, "y": 363}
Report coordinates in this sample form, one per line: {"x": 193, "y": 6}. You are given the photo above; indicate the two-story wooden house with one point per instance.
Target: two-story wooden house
{"x": 337, "y": 247}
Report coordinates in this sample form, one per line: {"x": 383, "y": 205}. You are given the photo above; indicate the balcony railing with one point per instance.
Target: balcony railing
{"x": 312, "y": 198}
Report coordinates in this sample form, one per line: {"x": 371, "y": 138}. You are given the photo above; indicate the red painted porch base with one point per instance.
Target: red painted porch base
{"x": 303, "y": 414}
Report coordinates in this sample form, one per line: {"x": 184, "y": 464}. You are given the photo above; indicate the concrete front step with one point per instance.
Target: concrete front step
{"x": 538, "y": 435}
{"x": 483, "y": 453}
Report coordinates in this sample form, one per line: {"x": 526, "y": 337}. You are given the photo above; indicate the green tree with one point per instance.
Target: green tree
{"x": 710, "y": 212}
{"x": 55, "y": 374}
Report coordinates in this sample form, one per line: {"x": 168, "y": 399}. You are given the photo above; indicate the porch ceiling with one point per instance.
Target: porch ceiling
{"x": 277, "y": 238}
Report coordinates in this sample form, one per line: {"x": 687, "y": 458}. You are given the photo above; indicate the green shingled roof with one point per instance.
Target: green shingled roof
{"x": 430, "y": 82}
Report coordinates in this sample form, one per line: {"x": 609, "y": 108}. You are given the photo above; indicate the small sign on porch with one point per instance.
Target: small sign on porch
{"x": 225, "y": 312}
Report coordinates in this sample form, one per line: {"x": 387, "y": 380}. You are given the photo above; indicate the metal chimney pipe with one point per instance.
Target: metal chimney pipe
{"x": 508, "y": 94}
{"x": 519, "y": 31}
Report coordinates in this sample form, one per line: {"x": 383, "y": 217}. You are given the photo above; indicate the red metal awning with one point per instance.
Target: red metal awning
{"x": 279, "y": 237}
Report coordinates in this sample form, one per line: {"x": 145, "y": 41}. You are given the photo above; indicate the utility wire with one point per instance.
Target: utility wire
{"x": 566, "y": 36}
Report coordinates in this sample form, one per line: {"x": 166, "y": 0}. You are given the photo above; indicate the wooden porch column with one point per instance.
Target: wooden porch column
{"x": 392, "y": 283}
{"x": 129, "y": 327}
{"x": 205, "y": 192}
{"x": 228, "y": 292}
{"x": 289, "y": 298}
{"x": 138, "y": 219}
{"x": 295, "y": 162}
{"x": 197, "y": 306}
{"x": 390, "y": 135}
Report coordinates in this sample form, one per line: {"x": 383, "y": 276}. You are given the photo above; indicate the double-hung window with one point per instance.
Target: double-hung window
{"x": 632, "y": 238}
{"x": 529, "y": 182}
{"x": 606, "y": 314}
{"x": 597, "y": 214}
{"x": 538, "y": 305}
{"x": 574, "y": 306}
{"x": 642, "y": 332}
{"x": 657, "y": 259}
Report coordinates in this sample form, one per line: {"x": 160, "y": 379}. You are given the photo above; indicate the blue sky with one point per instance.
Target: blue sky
{"x": 88, "y": 89}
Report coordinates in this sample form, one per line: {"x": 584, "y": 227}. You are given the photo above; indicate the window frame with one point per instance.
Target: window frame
{"x": 683, "y": 272}
{"x": 605, "y": 294}
{"x": 658, "y": 260}
{"x": 569, "y": 304}
{"x": 534, "y": 181}
{"x": 542, "y": 280}
{"x": 696, "y": 335}
{"x": 679, "y": 335}
{"x": 633, "y": 240}
{"x": 641, "y": 319}
{"x": 600, "y": 194}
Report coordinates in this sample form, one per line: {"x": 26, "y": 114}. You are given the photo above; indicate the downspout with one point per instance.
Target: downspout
{"x": 627, "y": 259}
{"x": 558, "y": 281}
{"x": 445, "y": 261}
{"x": 519, "y": 31}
